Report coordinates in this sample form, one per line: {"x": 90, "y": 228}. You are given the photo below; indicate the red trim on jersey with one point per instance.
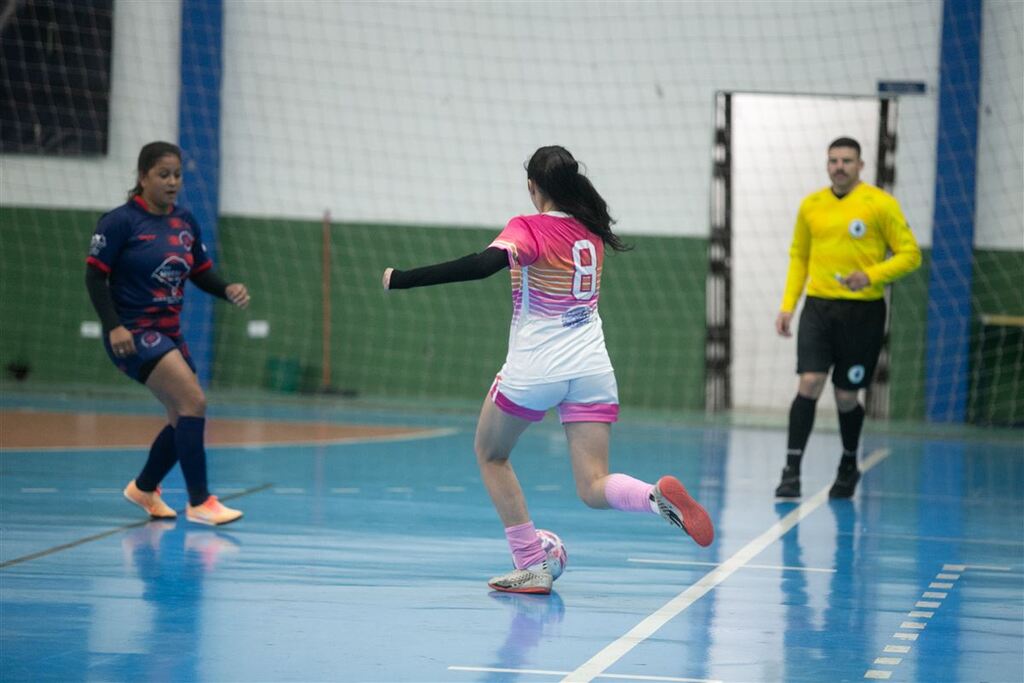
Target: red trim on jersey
{"x": 142, "y": 202}
{"x": 200, "y": 269}
{"x": 96, "y": 263}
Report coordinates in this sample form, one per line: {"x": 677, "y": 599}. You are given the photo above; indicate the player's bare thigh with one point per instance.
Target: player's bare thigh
{"x": 177, "y": 387}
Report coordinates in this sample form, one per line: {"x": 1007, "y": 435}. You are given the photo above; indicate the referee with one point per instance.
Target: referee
{"x": 850, "y": 240}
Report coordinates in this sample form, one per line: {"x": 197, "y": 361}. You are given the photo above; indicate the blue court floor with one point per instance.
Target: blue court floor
{"x": 368, "y": 561}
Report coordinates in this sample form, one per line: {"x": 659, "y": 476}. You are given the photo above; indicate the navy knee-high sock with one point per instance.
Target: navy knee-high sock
{"x": 188, "y": 441}
{"x": 162, "y": 456}
{"x": 801, "y": 422}
{"x": 850, "y": 424}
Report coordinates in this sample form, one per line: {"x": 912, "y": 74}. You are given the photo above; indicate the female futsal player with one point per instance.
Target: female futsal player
{"x": 141, "y": 254}
{"x": 556, "y": 357}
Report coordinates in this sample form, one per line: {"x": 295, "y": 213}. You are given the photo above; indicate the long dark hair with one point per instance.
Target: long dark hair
{"x": 148, "y": 156}
{"x": 554, "y": 170}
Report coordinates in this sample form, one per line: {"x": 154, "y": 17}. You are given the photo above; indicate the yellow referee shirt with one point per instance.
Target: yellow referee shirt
{"x": 834, "y": 237}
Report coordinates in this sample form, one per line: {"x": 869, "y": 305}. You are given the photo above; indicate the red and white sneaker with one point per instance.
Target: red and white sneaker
{"x": 212, "y": 513}
{"x": 150, "y": 501}
{"x": 675, "y": 504}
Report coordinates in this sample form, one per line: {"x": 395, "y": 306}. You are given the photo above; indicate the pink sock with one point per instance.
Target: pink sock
{"x": 526, "y": 548}
{"x": 623, "y": 492}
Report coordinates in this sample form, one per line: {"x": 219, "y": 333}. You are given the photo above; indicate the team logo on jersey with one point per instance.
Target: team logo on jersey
{"x": 855, "y": 374}
{"x": 857, "y": 228}
{"x": 175, "y": 223}
{"x": 98, "y": 244}
{"x": 186, "y": 239}
{"x": 575, "y": 317}
{"x": 150, "y": 339}
{"x": 172, "y": 273}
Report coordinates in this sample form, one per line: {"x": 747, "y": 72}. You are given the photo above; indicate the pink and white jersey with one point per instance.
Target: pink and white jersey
{"x": 556, "y": 331}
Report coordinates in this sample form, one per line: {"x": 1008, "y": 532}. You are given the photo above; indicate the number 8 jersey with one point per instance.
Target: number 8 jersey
{"x": 556, "y": 331}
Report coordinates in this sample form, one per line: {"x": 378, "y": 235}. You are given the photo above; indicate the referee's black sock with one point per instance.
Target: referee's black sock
{"x": 850, "y": 424}
{"x": 801, "y": 422}
{"x": 162, "y": 456}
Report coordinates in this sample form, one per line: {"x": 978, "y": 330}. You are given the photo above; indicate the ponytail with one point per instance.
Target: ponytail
{"x": 556, "y": 172}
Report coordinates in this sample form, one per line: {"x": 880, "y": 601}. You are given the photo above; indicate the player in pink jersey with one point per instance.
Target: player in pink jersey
{"x": 556, "y": 357}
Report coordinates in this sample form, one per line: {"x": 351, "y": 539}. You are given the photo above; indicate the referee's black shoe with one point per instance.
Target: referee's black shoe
{"x": 845, "y": 483}
{"x": 789, "y": 487}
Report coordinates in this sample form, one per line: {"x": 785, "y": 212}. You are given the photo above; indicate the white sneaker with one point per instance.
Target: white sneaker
{"x": 534, "y": 579}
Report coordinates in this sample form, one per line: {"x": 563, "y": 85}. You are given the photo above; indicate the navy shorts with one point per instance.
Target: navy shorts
{"x": 150, "y": 347}
{"x": 844, "y": 335}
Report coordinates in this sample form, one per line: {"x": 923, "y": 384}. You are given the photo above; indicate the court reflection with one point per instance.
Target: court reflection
{"x": 172, "y": 559}
{"x": 531, "y": 619}
{"x": 823, "y": 627}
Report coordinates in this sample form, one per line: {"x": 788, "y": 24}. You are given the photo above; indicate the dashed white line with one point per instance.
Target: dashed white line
{"x": 940, "y": 584}
{"x": 921, "y": 615}
{"x": 933, "y": 594}
{"x": 888, "y": 661}
{"x": 913, "y": 624}
{"x": 927, "y": 604}
{"x": 877, "y": 673}
{"x": 905, "y": 636}
{"x": 897, "y": 649}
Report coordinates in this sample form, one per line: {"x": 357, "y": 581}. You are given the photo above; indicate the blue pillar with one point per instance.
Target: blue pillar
{"x": 951, "y": 275}
{"x": 199, "y": 138}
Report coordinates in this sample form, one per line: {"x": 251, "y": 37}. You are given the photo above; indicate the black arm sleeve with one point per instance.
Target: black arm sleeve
{"x": 471, "y": 267}
{"x": 99, "y": 293}
{"x": 211, "y": 283}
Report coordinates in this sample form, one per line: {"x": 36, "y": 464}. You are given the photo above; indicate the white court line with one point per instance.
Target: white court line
{"x": 618, "y": 649}
{"x": 450, "y": 489}
{"x": 878, "y": 673}
{"x": 344, "y": 440}
{"x": 897, "y": 649}
{"x": 548, "y": 672}
{"x": 39, "y": 489}
{"x": 927, "y": 604}
{"x": 288, "y": 491}
{"x": 716, "y": 564}
{"x": 345, "y": 489}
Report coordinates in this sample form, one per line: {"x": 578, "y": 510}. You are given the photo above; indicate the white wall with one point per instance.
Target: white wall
{"x": 779, "y": 156}
{"x": 424, "y": 112}
{"x": 999, "y": 215}
{"x": 143, "y": 107}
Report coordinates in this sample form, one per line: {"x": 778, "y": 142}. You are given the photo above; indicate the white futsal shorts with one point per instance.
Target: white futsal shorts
{"x": 594, "y": 398}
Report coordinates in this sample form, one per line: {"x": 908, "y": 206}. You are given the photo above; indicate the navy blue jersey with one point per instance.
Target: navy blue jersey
{"x": 148, "y": 257}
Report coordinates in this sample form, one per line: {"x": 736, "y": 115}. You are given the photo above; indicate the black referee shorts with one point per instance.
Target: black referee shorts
{"x": 843, "y": 335}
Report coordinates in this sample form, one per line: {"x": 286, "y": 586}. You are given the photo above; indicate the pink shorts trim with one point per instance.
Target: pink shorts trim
{"x": 513, "y": 409}
{"x": 588, "y": 412}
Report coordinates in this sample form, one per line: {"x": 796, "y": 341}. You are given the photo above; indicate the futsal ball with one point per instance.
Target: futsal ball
{"x": 555, "y": 549}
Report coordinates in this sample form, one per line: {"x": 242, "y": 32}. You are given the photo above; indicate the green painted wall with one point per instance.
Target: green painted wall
{"x": 444, "y": 342}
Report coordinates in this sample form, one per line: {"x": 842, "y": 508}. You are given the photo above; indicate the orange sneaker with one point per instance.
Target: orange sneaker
{"x": 150, "y": 501}
{"x": 212, "y": 513}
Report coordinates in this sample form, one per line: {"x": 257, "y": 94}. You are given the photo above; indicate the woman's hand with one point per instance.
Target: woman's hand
{"x": 122, "y": 342}
{"x": 237, "y": 294}
{"x": 386, "y": 279}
